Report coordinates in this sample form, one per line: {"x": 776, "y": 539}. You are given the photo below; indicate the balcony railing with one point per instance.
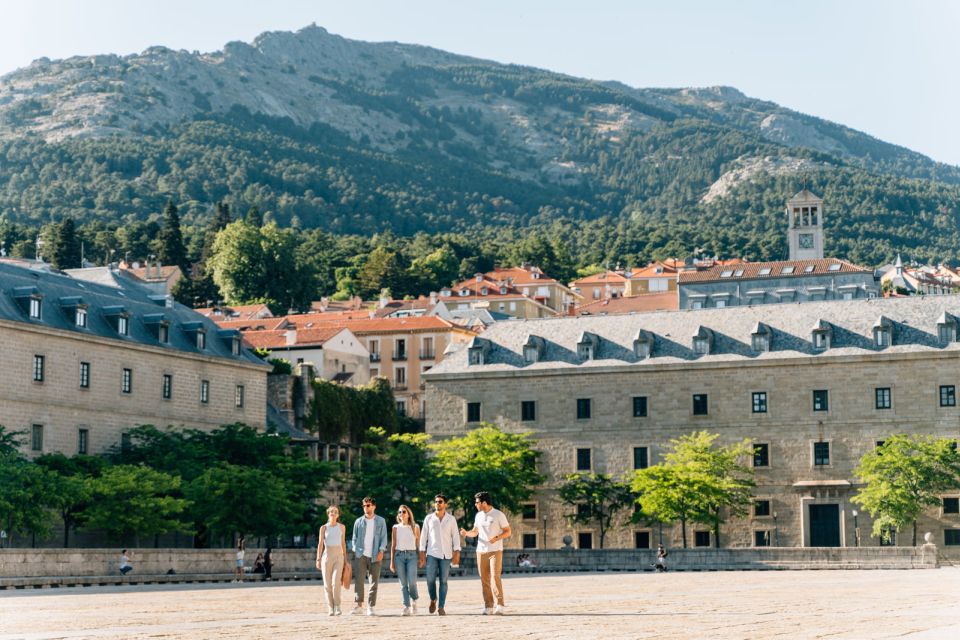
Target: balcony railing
{"x": 399, "y": 355}
{"x": 427, "y": 355}
{"x": 374, "y": 357}
{"x": 400, "y": 386}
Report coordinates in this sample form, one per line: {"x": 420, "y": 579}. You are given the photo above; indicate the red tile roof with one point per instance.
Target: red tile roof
{"x": 149, "y": 273}
{"x": 751, "y": 270}
{"x": 600, "y": 279}
{"x": 665, "y": 301}
{"x": 237, "y": 312}
{"x": 365, "y": 326}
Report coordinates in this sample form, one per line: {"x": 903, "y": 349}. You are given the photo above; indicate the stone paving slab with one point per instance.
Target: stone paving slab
{"x": 769, "y": 604}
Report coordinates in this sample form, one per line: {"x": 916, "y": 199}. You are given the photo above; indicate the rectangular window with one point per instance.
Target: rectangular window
{"x": 123, "y": 325}
{"x": 821, "y": 454}
{"x": 761, "y": 538}
{"x": 401, "y": 407}
{"x": 238, "y": 397}
{"x": 126, "y": 381}
{"x": 35, "y": 308}
{"x": 205, "y": 391}
{"x": 80, "y": 319}
{"x": 639, "y": 406}
{"x": 163, "y": 334}
{"x": 167, "y": 386}
{"x": 951, "y": 505}
{"x": 38, "y": 368}
{"x": 759, "y": 401}
{"x": 888, "y": 537}
{"x": 83, "y": 436}
{"x": 641, "y": 458}
{"x": 36, "y": 437}
{"x": 701, "y": 538}
{"x": 699, "y": 404}
{"x": 585, "y": 540}
{"x": 528, "y": 411}
{"x": 583, "y": 408}
{"x": 400, "y": 375}
{"x": 583, "y": 460}
{"x": 761, "y": 455}
{"x": 84, "y": 375}
{"x": 948, "y": 395}
{"x": 951, "y": 537}
{"x": 473, "y": 412}
{"x": 821, "y": 400}
{"x": 641, "y": 539}
{"x": 529, "y": 541}
{"x": 882, "y": 397}
{"x": 761, "y": 508}
{"x": 530, "y": 511}
{"x": 201, "y": 340}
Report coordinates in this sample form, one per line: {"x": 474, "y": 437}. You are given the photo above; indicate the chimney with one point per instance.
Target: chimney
{"x": 433, "y": 297}
{"x": 356, "y": 303}
{"x": 384, "y": 300}
{"x": 324, "y": 303}
{"x": 158, "y": 269}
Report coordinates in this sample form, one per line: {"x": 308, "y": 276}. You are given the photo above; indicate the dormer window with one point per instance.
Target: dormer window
{"x": 477, "y": 351}
{"x": 726, "y": 274}
{"x": 503, "y": 290}
{"x": 883, "y": 332}
{"x": 163, "y": 333}
{"x": 809, "y": 268}
{"x": 533, "y": 349}
{"x": 587, "y": 346}
{"x": 836, "y": 266}
{"x": 123, "y": 325}
{"x": 702, "y": 341}
{"x": 643, "y": 345}
{"x": 787, "y": 270}
{"x": 80, "y": 318}
{"x": 119, "y": 319}
{"x": 760, "y": 338}
{"x": 484, "y": 291}
{"x": 231, "y": 337}
{"x": 464, "y": 292}
{"x": 821, "y": 335}
{"x": 765, "y": 271}
{"x": 201, "y": 340}
{"x": 947, "y": 328}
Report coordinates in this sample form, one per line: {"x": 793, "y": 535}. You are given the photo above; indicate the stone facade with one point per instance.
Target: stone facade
{"x": 788, "y": 369}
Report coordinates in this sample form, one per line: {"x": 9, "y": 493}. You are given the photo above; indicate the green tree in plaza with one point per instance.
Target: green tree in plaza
{"x": 696, "y": 482}
{"x": 129, "y": 501}
{"x": 486, "y": 459}
{"x": 903, "y": 477}
{"x": 26, "y": 490}
{"x": 396, "y": 470}
{"x": 170, "y": 249}
{"x": 71, "y": 487}
{"x": 596, "y": 497}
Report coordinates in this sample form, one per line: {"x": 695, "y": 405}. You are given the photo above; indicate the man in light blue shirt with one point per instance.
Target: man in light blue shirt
{"x": 369, "y": 543}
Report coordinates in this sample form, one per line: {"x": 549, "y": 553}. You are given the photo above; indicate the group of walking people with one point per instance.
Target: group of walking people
{"x": 435, "y": 545}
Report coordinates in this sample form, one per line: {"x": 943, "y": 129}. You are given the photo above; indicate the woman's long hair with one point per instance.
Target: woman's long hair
{"x": 410, "y": 519}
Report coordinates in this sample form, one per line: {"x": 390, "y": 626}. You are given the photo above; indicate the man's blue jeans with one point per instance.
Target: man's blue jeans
{"x": 406, "y": 565}
{"x": 437, "y": 568}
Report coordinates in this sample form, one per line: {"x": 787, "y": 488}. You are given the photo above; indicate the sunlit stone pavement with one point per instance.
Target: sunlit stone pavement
{"x": 749, "y": 604}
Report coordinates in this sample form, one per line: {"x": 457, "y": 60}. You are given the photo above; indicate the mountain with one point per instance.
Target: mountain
{"x": 354, "y": 137}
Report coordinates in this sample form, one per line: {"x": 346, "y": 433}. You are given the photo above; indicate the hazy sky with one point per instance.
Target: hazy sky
{"x": 880, "y": 66}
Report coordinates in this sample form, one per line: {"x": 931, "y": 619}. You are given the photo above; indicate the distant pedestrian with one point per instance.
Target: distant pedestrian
{"x": 238, "y": 568}
{"x": 267, "y": 564}
{"x": 491, "y": 528}
{"x": 661, "y": 559}
{"x": 369, "y": 543}
{"x": 331, "y": 556}
{"x": 258, "y": 564}
{"x": 403, "y": 558}
{"x": 439, "y": 548}
{"x": 125, "y": 566}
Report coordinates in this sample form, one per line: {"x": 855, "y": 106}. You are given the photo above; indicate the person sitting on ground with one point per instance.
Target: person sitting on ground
{"x": 258, "y": 565}
{"x": 125, "y": 566}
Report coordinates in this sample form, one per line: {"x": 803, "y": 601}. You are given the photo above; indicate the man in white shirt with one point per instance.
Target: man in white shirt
{"x": 491, "y": 528}
{"x": 439, "y": 548}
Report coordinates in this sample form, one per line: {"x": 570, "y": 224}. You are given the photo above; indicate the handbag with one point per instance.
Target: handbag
{"x": 347, "y": 574}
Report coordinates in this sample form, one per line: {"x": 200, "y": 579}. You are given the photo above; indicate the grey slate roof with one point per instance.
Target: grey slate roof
{"x": 61, "y": 293}
{"x": 851, "y": 322}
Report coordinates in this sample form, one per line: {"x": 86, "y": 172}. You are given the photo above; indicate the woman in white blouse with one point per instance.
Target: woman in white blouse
{"x": 403, "y": 557}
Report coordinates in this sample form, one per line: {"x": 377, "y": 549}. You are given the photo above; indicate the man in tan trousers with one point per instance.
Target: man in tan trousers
{"x": 491, "y": 528}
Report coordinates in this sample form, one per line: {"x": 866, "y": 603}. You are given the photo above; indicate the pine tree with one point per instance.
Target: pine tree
{"x": 170, "y": 249}
{"x": 254, "y": 217}
{"x": 65, "y": 253}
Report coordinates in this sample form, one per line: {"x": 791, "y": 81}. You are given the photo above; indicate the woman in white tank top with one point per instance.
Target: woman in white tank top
{"x": 404, "y": 557}
{"x": 331, "y": 554}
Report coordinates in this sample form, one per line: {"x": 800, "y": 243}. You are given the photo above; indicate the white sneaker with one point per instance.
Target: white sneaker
{"x": 405, "y": 612}
{"x": 370, "y": 611}
{"x": 484, "y": 611}
{"x": 498, "y": 610}
{"x": 357, "y": 610}
{"x": 332, "y": 612}
{"x": 337, "y": 611}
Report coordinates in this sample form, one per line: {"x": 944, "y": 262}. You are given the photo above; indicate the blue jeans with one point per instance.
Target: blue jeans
{"x": 406, "y": 564}
{"x": 437, "y": 568}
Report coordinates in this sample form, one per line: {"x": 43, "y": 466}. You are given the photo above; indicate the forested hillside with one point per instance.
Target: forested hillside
{"x": 325, "y": 135}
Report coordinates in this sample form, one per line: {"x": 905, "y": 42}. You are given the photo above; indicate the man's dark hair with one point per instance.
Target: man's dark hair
{"x": 440, "y": 496}
{"x": 483, "y": 496}
{"x": 370, "y": 500}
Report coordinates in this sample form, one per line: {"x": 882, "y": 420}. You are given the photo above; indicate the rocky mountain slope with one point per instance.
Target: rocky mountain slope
{"x": 324, "y": 131}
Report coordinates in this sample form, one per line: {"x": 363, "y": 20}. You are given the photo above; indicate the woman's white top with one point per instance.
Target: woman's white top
{"x": 331, "y": 536}
{"x": 403, "y": 534}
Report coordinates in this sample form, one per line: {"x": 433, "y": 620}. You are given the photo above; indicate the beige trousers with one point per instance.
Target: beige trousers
{"x": 332, "y": 569}
{"x": 491, "y": 564}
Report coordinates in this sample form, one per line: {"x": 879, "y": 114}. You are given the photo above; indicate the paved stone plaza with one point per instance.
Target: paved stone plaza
{"x": 769, "y": 604}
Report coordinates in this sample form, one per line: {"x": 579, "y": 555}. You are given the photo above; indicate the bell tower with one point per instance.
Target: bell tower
{"x": 805, "y": 226}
